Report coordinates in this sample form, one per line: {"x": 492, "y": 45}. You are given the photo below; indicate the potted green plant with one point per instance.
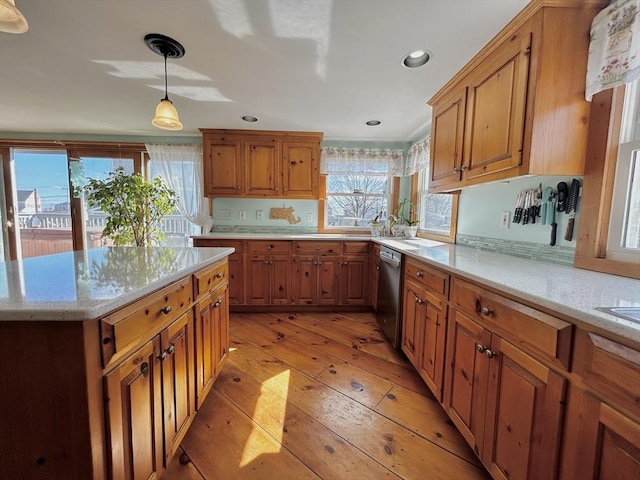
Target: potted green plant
{"x": 134, "y": 206}
{"x": 408, "y": 215}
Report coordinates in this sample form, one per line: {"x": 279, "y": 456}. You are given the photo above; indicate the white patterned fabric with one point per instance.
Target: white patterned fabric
{"x": 180, "y": 167}
{"x": 614, "y": 50}
{"x": 418, "y": 157}
{"x": 362, "y": 161}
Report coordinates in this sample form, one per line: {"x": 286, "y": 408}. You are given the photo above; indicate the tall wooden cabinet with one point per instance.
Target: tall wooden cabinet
{"x": 518, "y": 106}
{"x": 261, "y": 163}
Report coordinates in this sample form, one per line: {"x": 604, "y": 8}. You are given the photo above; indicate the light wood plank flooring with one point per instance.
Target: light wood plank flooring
{"x": 320, "y": 396}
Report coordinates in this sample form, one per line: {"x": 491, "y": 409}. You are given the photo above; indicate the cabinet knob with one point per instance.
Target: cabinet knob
{"x": 267, "y": 262}
{"x": 144, "y": 368}
{"x": 269, "y": 247}
{"x": 481, "y": 348}
{"x": 171, "y": 349}
{"x": 163, "y": 355}
{"x": 420, "y": 274}
{"x": 489, "y": 353}
{"x": 456, "y": 170}
{"x": 346, "y": 263}
{"x": 218, "y": 275}
{"x": 217, "y": 304}
{"x": 166, "y": 310}
{"x": 463, "y": 168}
{"x": 486, "y": 311}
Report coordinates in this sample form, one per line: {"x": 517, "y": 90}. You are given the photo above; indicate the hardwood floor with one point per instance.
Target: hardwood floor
{"x": 320, "y": 396}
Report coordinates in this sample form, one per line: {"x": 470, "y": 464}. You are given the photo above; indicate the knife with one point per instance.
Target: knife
{"x": 554, "y": 225}
{"x": 545, "y": 214}
{"x": 562, "y": 196}
{"x": 517, "y": 214}
{"x": 572, "y": 203}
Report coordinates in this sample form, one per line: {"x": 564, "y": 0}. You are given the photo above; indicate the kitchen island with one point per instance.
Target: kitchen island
{"x": 107, "y": 355}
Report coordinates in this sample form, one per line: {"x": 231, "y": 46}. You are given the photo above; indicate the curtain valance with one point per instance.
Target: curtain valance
{"x": 362, "y": 161}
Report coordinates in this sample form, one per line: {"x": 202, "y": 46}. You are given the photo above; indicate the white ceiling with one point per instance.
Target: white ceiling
{"x": 312, "y": 65}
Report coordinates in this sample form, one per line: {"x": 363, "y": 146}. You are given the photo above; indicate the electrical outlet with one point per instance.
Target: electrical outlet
{"x": 504, "y": 219}
{"x": 243, "y": 215}
{"x": 258, "y": 214}
{"x": 309, "y": 217}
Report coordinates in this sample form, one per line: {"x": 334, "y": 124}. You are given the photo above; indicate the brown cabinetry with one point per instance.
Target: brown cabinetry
{"x": 507, "y": 403}
{"x": 603, "y": 434}
{"x": 354, "y": 274}
{"x": 253, "y": 163}
{"x": 268, "y": 280}
{"x": 235, "y": 265}
{"x": 316, "y": 279}
{"x": 424, "y": 324}
{"x": 522, "y": 115}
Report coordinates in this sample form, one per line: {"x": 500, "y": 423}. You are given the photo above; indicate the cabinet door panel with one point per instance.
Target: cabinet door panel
{"x": 412, "y": 322}
{"x": 261, "y": 167}
{"x": 468, "y": 373}
{"x": 205, "y": 372}
{"x": 134, "y": 412}
{"x": 353, "y": 278}
{"x": 178, "y": 381}
{"x": 222, "y": 169}
{"x": 328, "y": 268}
{"x": 300, "y": 170}
{"x": 496, "y": 107}
{"x": 280, "y": 279}
{"x": 221, "y": 330}
{"x": 447, "y": 139}
{"x": 305, "y": 279}
{"x": 431, "y": 363}
{"x": 258, "y": 280}
{"x": 524, "y": 415}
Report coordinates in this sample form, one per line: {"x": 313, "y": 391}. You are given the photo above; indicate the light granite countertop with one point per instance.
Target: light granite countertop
{"x": 85, "y": 285}
{"x": 569, "y": 291}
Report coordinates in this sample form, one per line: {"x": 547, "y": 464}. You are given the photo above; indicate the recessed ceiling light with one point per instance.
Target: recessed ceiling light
{"x": 373, "y": 123}
{"x": 249, "y": 118}
{"x": 417, "y": 58}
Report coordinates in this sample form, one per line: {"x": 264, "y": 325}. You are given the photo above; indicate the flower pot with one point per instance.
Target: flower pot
{"x": 410, "y": 230}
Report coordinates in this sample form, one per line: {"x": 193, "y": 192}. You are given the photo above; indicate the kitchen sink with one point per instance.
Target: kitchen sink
{"x": 628, "y": 313}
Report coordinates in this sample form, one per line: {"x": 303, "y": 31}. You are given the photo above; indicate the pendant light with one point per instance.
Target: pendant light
{"x": 11, "y": 19}
{"x": 166, "y": 114}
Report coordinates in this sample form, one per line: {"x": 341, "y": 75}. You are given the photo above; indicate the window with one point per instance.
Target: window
{"x": 609, "y": 228}
{"x": 358, "y": 185}
{"x": 435, "y": 209}
{"x": 623, "y": 241}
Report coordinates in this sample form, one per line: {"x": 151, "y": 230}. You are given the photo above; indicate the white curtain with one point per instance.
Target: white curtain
{"x": 180, "y": 167}
{"x": 363, "y": 161}
{"x": 614, "y": 50}
{"x": 418, "y": 156}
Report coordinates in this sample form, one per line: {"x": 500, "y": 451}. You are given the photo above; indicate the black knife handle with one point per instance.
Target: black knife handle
{"x": 563, "y": 191}
{"x": 554, "y": 230}
{"x": 568, "y": 235}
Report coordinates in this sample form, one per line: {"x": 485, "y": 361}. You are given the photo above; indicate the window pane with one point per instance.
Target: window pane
{"x": 353, "y": 200}
{"x": 97, "y": 168}
{"x": 437, "y": 212}
{"x": 42, "y": 191}
{"x": 631, "y": 236}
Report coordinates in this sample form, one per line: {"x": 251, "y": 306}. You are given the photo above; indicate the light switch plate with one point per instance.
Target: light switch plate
{"x": 504, "y": 219}
{"x": 259, "y": 215}
{"x": 243, "y": 215}
{"x": 309, "y": 217}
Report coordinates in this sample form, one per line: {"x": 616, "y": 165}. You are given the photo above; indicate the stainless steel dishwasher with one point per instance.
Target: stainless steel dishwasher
{"x": 389, "y": 294}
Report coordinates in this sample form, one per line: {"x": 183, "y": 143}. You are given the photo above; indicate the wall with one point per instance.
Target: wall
{"x": 480, "y": 212}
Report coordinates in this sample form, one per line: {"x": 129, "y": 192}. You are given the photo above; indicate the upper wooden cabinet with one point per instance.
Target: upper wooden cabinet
{"x": 518, "y": 107}
{"x": 254, "y": 163}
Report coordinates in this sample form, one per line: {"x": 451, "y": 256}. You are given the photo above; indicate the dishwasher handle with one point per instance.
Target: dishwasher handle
{"x": 390, "y": 259}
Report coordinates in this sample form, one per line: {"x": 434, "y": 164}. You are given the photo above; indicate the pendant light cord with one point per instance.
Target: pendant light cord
{"x": 166, "y": 88}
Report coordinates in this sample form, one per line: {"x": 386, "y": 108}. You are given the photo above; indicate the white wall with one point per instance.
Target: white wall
{"x": 481, "y": 209}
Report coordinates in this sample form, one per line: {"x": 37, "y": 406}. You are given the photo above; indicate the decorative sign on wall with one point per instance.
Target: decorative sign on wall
{"x": 284, "y": 214}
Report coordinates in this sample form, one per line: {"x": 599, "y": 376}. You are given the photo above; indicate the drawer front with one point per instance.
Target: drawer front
{"x": 355, "y": 247}
{"x": 123, "y": 330}
{"x": 610, "y": 368}
{"x": 210, "y": 278}
{"x": 214, "y": 242}
{"x": 321, "y": 248}
{"x": 268, "y": 246}
{"x": 546, "y": 335}
{"x": 434, "y": 280}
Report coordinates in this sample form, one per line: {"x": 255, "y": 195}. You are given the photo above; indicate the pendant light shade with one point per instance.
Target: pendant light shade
{"x": 11, "y": 19}
{"x": 166, "y": 116}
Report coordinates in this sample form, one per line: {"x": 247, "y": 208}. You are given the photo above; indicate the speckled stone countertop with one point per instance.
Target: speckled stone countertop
{"x": 86, "y": 285}
{"x": 569, "y": 291}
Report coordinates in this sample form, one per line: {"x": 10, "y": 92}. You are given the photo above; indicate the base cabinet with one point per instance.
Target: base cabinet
{"x": 508, "y": 406}
{"x": 354, "y": 273}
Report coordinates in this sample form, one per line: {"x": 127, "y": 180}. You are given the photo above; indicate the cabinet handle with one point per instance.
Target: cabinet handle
{"x": 481, "y": 348}
{"x": 420, "y": 274}
{"x": 163, "y": 355}
{"x": 463, "y": 168}
{"x": 267, "y": 262}
{"x": 166, "y": 310}
{"x": 346, "y": 263}
{"x": 486, "y": 311}
{"x": 489, "y": 353}
{"x": 269, "y": 247}
{"x": 144, "y": 368}
{"x": 218, "y": 275}
{"x": 456, "y": 170}
{"x": 171, "y": 349}
{"x": 217, "y": 304}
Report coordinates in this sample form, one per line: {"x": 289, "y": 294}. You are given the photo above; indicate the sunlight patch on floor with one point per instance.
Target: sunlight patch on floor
{"x": 270, "y": 410}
